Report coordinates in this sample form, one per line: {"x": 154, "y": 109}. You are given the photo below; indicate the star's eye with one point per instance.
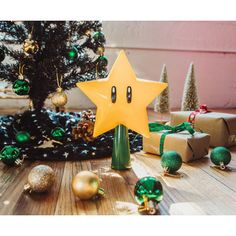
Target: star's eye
{"x": 129, "y": 94}
{"x": 113, "y": 94}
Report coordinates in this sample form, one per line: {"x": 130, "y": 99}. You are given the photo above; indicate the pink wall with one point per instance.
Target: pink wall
{"x": 210, "y": 45}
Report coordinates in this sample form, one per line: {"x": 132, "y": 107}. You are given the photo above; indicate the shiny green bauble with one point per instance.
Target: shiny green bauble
{"x": 102, "y": 62}
{"x": 148, "y": 187}
{"x": 171, "y": 161}
{"x": 99, "y": 36}
{"x": 72, "y": 53}
{"x": 220, "y": 155}
{"x": 22, "y": 137}
{"x": 58, "y": 133}
{"x": 9, "y": 154}
{"x": 21, "y": 87}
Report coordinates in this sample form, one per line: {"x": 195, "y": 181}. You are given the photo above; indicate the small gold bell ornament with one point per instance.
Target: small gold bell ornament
{"x": 86, "y": 185}
{"x": 40, "y": 179}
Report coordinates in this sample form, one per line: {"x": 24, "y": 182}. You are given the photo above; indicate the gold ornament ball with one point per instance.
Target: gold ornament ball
{"x": 100, "y": 50}
{"x": 40, "y": 179}
{"x": 86, "y": 185}
{"x": 59, "y": 98}
{"x": 30, "y": 46}
{"x": 87, "y": 33}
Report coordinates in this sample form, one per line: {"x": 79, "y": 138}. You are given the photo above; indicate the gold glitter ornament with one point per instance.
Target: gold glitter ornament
{"x": 59, "y": 98}
{"x": 30, "y": 46}
{"x": 40, "y": 179}
{"x": 100, "y": 50}
{"x": 86, "y": 185}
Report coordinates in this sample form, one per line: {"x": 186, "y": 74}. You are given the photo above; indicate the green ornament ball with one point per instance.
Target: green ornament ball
{"x": 99, "y": 36}
{"x": 171, "y": 161}
{"x": 22, "y": 137}
{"x": 102, "y": 62}
{"x": 21, "y": 87}
{"x": 72, "y": 53}
{"x": 9, "y": 154}
{"x": 58, "y": 133}
{"x": 149, "y": 187}
{"x": 220, "y": 155}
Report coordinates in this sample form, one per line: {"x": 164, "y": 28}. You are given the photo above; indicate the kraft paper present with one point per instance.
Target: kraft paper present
{"x": 190, "y": 147}
{"x": 220, "y": 126}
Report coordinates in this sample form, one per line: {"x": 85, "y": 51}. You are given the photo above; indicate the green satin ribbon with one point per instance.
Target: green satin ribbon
{"x": 156, "y": 127}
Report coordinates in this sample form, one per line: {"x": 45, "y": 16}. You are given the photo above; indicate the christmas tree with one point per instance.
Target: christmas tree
{"x": 162, "y": 102}
{"x": 49, "y": 55}
{"x": 190, "y": 97}
{"x": 43, "y": 59}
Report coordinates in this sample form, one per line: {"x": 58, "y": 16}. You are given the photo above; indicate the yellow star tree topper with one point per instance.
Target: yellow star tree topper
{"x": 121, "y": 98}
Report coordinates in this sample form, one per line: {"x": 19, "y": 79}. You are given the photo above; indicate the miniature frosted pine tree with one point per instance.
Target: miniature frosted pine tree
{"x": 190, "y": 98}
{"x": 162, "y": 102}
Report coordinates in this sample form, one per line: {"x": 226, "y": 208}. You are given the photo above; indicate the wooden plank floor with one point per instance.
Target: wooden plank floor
{"x": 202, "y": 190}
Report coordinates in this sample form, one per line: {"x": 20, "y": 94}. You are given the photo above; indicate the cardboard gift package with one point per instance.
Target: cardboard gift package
{"x": 190, "y": 147}
{"x": 220, "y": 126}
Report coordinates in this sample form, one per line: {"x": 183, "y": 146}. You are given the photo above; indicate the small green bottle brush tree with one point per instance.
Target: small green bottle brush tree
{"x": 162, "y": 104}
{"x": 190, "y": 100}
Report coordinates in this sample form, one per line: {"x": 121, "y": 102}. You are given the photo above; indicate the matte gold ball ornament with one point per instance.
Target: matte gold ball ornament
{"x": 86, "y": 185}
{"x": 59, "y": 98}
{"x": 40, "y": 179}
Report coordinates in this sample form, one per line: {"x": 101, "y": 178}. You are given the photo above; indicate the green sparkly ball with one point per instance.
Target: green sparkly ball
{"x": 149, "y": 187}
{"x": 171, "y": 161}
{"x": 58, "y": 133}
{"x": 99, "y": 36}
{"x": 22, "y": 137}
{"x": 220, "y": 155}
{"x": 102, "y": 62}
{"x": 72, "y": 53}
{"x": 21, "y": 87}
{"x": 9, "y": 154}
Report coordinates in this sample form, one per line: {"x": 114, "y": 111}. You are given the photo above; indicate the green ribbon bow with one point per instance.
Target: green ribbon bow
{"x": 156, "y": 127}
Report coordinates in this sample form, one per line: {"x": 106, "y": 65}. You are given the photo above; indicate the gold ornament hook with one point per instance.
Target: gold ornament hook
{"x": 222, "y": 166}
{"x": 149, "y": 207}
{"x": 59, "y": 81}
{"x": 167, "y": 173}
{"x": 21, "y": 71}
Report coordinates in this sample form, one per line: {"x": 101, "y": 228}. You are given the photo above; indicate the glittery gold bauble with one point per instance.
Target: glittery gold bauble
{"x": 87, "y": 33}
{"x": 86, "y": 185}
{"x": 100, "y": 50}
{"x": 40, "y": 179}
{"x": 30, "y": 46}
{"x": 59, "y": 98}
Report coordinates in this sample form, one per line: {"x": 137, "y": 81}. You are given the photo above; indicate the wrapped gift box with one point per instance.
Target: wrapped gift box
{"x": 190, "y": 147}
{"x": 220, "y": 126}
